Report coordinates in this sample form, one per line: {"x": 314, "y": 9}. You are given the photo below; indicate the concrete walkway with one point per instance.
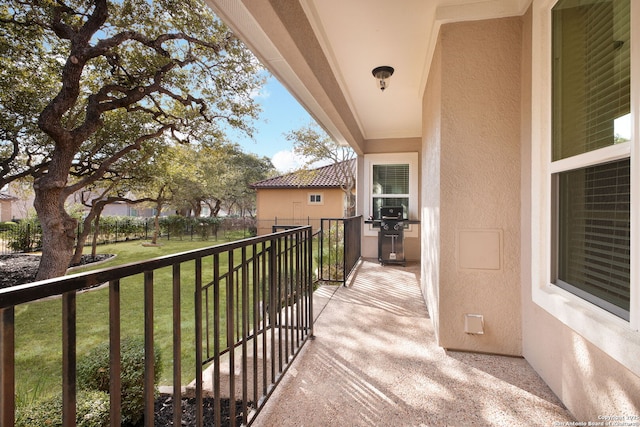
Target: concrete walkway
{"x": 374, "y": 362}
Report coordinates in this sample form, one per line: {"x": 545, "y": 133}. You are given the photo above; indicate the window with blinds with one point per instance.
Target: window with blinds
{"x": 591, "y": 106}
{"x": 390, "y": 187}
{"x": 594, "y": 242}
{"x": 591, "y": 74}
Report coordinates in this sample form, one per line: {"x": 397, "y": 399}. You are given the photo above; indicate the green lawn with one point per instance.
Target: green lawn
{"x": 38, "y": 325}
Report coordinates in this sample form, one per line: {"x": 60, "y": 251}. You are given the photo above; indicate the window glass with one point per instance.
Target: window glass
{"x": 592, "y": 111}
{"x": 315, "y": 198}
{"x": 390, "y": 187}
{"x": 591, "y": 75}
{"x": 390, "y": 179}
{"x": 594, "y": 242}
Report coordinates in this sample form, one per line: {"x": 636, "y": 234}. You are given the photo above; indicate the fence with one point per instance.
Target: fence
{"x": 26, "y": 236}
{"x": 256, "y": 293}
{"x": 339, "y": 248}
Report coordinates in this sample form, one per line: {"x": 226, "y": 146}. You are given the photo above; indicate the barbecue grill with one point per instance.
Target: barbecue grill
{"x": 391, "y": 235}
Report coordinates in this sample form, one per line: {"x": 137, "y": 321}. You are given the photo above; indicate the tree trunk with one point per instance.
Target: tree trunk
{"x": 197, "y": 209}
{"x": 156, "y": 222}
{"x": 82, "y": 239}
{"x": 96, "y": 233}
{"x": 216, "y": 209}
{"x": 93, "y": 216}
{"x": 58, "y": 228}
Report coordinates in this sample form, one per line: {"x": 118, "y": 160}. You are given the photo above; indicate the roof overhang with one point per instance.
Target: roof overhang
{"x": 323, "y": 52}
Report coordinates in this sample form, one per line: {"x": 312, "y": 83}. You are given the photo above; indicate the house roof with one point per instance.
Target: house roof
{"x": 324, "y": 177}
{"x": 6, "y": 197}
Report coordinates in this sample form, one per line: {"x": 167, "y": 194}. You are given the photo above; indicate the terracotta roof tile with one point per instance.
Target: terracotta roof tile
{"x": 323, "y": 177}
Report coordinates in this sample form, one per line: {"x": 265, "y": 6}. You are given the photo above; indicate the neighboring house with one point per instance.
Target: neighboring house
{"x": 517, "y": 123}
{"x": 6, "y": 204}
{"x": 300, "y": 197}
{"x": 21, "y": 203}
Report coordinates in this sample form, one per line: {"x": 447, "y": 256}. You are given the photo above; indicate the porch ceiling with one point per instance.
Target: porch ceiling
{"x": 323, "y": 51}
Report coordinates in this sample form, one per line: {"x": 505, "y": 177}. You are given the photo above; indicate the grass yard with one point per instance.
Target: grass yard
{"x": 38, "y": 325}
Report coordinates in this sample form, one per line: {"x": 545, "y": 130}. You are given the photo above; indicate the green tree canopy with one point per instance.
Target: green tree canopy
{"x": 90, "y": 82}
{"x": 314, "y": 145}
{"x": 217, "y": 175}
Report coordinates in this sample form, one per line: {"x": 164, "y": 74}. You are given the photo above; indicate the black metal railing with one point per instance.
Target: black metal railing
{"x": 339, "y": 249}
{"x": 26, "y": 235}
{"x": 251, "y": 319}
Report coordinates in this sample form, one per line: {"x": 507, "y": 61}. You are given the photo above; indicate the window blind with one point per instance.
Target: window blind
{"x": 391, "y": 179}
{"x": 591, "y": 74}
{"x": 390, "y": 187}
{"x": 594, "y": 238}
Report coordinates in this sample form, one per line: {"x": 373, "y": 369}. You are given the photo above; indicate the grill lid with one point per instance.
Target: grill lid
{"x": 391, "y": 212}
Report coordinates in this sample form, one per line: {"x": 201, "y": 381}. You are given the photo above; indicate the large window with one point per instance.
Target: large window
{"x": 591, "y": 151}
{"x": 390, "y": 187}
{"x": 391, "y": 179}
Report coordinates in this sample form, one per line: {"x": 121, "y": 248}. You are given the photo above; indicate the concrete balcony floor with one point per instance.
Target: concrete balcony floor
{"x": 375, "y": 362}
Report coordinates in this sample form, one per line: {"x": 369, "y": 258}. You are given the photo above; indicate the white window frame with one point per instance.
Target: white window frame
{"x": 614, "y": 336}
{"x": 316, "y": 194}
{"x": 411, "y": 159}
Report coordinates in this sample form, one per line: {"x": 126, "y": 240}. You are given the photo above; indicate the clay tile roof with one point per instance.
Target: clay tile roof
{"x": 323, "y": 177}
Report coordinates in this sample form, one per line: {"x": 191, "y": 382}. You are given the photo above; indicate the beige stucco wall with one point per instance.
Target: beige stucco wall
{"x": 430, "y": 191}
{"x": 5, "y": 210}
{"x": 585, "y": 378}
{"x": 471, "y": 185}
{"x": 292, "y": 205}
{"x": 392, "y": 145}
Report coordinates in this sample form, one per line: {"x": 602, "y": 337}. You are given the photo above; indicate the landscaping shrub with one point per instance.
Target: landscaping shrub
{"x": 121, "y": 228}
{"x": 93, "y": 373}
{"x": 26, "y": 236}
{"x": 207, "y": 226}
{"x": 92, "y": 410}
{"x": 173, "y": 225}
{"x": 8, "y": 225}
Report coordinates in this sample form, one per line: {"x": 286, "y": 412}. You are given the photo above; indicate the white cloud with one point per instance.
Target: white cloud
{"x": 286, "y": 161}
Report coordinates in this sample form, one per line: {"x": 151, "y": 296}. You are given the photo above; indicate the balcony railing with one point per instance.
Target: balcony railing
{"x": 339, "y": 248}
{"x": 255, "y": 293}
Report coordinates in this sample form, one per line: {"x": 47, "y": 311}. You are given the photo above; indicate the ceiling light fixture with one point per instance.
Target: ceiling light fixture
{"x": 382, "y": 74}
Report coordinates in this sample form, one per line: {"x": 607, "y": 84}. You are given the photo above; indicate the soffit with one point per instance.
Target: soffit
{"x": 323, "y": 51}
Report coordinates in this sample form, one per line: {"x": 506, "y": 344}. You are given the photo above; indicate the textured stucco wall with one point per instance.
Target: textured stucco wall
{"x": 586, "y": 379}
{"x": 475, "y": 153}
{"x": 430, "y": 192}
{"x": 272, "y": 203}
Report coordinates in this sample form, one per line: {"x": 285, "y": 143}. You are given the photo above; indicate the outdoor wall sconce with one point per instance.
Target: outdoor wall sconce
{"x": 382, "y": 74}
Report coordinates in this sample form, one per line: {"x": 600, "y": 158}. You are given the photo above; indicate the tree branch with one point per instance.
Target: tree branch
{"x": 104, "y": 165}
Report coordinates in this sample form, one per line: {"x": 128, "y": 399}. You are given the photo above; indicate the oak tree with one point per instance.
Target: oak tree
{"x": 314, "y": 146}
{"x": 79, "y": 68}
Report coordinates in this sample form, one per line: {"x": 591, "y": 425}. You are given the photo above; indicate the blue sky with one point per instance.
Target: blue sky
{"x": 281, "y": 114}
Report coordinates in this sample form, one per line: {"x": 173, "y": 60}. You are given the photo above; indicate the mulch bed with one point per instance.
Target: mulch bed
{"x": 164, "y": 411}
{"x": 17, "y": 269}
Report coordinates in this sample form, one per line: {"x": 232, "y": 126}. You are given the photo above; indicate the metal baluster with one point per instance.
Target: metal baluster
{"x": 115, "y": 367}
{"x": 69, "y": 359}
{"x": 149, "y": 356}
{"x": 177, "y": 348}
{"x": 7, "y": 366}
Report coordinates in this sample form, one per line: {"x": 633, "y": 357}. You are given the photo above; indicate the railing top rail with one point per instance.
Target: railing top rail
{"x": 29, "y": 292}
{"x": 343, "y": 218}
